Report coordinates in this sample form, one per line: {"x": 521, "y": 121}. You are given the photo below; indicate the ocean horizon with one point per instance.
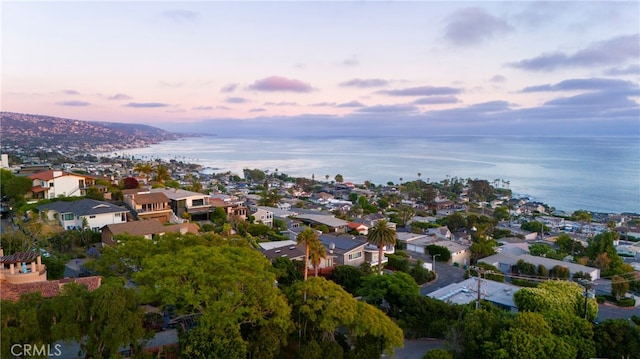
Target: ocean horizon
{"x": 599, "y": 174}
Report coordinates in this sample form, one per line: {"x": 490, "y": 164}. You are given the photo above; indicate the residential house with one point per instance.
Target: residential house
{"x": 230, "y": 208}
{"x": 465, "y": 292}
{"x": 73, "y": 215}
{"x": 413, "y": 242}
{"x": 149, "y": 205}
{"x": 506, "y": 261}
{"x": 262, "y": 215}
{"x": 55, "y": 183}
{"x": 183, "y": 202}
{"x": 361, "y": 228}
{"x": 345, "y": 249}
{"x": 23, "y": 272}
{"x": 460, "y": 252}
{"x": 333, "y": 224}
{"x": 148, "y": 229}
{"x": 353, "y": 251}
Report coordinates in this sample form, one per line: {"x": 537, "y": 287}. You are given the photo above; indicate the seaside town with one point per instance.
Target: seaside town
{"x": 173, "y": 260}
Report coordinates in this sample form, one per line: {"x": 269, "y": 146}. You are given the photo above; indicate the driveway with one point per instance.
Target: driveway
{"x": 446, "y": 274}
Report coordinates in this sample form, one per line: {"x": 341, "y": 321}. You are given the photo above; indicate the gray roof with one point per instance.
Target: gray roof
{"x": 467, "y": 292}
{"x": 342, "y": 243}
{"x": 329, "y": 220}
{"x": 83, "y": 207}
{"x": 549, "y": 263}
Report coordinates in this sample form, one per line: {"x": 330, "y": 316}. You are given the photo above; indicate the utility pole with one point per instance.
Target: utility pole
{"x": 480, "y": 272}
{"x": 587, "y": 286}
{"x": 434, "y": 261}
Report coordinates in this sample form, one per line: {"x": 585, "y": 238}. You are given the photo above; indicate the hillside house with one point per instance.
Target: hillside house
{"x": 73, "y": 215}
{"x": 54, "y": 183}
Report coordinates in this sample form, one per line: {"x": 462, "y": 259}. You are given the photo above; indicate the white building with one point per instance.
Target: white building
{"x": 500, "y": 294}
{"x": 72, "y": 215}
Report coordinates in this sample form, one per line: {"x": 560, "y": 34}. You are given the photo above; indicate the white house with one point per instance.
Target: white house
{"x": 53, "y": 183}
{"x": 72, "y": 215}
{"x": 262, "y": 215}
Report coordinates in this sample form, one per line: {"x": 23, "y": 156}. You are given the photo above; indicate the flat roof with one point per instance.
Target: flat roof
{"x": 467, "y": 291}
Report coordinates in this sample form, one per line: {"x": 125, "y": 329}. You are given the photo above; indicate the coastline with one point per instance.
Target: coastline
{"x": 547, "y": 176}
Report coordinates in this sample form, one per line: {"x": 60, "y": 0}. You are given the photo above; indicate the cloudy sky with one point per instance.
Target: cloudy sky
{"x": 355, "y": 67}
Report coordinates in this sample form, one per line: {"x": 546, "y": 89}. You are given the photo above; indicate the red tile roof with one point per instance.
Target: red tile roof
{"x": 48, "y": 289}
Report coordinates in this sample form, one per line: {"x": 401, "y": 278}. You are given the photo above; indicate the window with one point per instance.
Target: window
{"x": 354, "y": 256}
{"x": 197, "y": 202}
{"x": 67, "y": 217}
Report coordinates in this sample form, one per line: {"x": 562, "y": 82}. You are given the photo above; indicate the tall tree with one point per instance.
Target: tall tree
{"x": 161, "y": 174}
{"x": 381, "y": 235}
{"x": 308, "y": 236}
{"x": 316, "y": 253}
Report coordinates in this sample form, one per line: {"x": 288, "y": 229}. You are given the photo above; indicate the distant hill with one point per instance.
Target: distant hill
{"x": 26, "y": 131}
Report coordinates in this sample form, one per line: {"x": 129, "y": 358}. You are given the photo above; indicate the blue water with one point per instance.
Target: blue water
{"x": 599, "y": 174}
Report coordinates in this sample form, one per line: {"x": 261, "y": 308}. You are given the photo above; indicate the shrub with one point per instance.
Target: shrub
{"x": 600, "y": 299}
{"x": 626, "y": 302}
{"x": 437, "y": 354}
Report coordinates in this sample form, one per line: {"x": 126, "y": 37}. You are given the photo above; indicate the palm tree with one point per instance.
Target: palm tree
{"x": 381, "y": 235}
{"x": 308, "y": 237}
{"x": 144, "y": 169}
{"x": 316, "y": 253}
{"x": 162, "y": 174}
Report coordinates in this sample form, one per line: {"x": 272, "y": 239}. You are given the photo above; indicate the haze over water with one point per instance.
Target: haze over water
{"x": 600, "y": 174}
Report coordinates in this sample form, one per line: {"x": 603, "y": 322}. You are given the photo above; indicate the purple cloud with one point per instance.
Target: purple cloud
{"x": 73, "y": 103}
{"x": 229, "y": 88}
{"x": 365, "y": 83}
{"x": 220, "y": 107}
{"x": 259, "y": 109}
{"x": 597, "y": 84}
{"x": 180, "y": 15}
{"x": 421, "y": 91}
{"x": 609, "y": 52}
{"x": 282, "y": 103}
{"x": 629, "y": 70}
{"x": 278, "y": 83}
{"x": 146, "y": 104}
{"x": 323, "y": 104}
{"x": 388, "y": 109}
{"x": 351, "y": 104}
{"x": 473, "y": 25}
{"x": 236, "y": 100}
{"x": 70, "y": 92}
{"x": 202, "y": 108}
{"x": 498, "y": 79}
{"x": 119, "y": 96}
{"x": 350, "y": 62}
{"x": 436, "y": 100}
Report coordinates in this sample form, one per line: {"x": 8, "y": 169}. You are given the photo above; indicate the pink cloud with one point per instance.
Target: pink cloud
{"x": 278, "y": 83}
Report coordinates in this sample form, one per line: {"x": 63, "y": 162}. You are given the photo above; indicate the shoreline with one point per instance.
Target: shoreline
{"x": 221, "y": 154}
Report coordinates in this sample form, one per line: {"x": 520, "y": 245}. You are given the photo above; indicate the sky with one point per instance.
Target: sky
{"x": 328, "y": 67}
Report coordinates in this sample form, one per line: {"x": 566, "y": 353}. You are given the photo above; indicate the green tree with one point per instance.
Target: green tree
{"x": 442, "y": 253}
{"x": 308, "y": 237}
{"x": 381, "y": 235}
{"x": 231, "y": 283}
{"x": 395, "y": 288}
{"x": 347, "y": 277}
{"x": 437, "y": 354}
{"x": 619, "y": 286}
{"x": 161, "y": 174}
{"x": 530, "y": 337}
{"x": 17, "y": 187}
{"x": 501, "y": 213}
{"x": 316, "y": 254}
{"x": 328, "y": 308}
{"x": 339, "y": 178}
{"x": 102, "y": 321}
{"x": 555, "y": 296}
{"x": 617, "y": 338}
{"x": 419, "y": 273}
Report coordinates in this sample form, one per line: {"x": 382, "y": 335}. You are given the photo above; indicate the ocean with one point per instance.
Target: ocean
{"x": 600, "y": 174}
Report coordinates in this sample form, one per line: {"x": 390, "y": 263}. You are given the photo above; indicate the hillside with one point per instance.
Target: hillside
{"x": 27, "y": 131}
